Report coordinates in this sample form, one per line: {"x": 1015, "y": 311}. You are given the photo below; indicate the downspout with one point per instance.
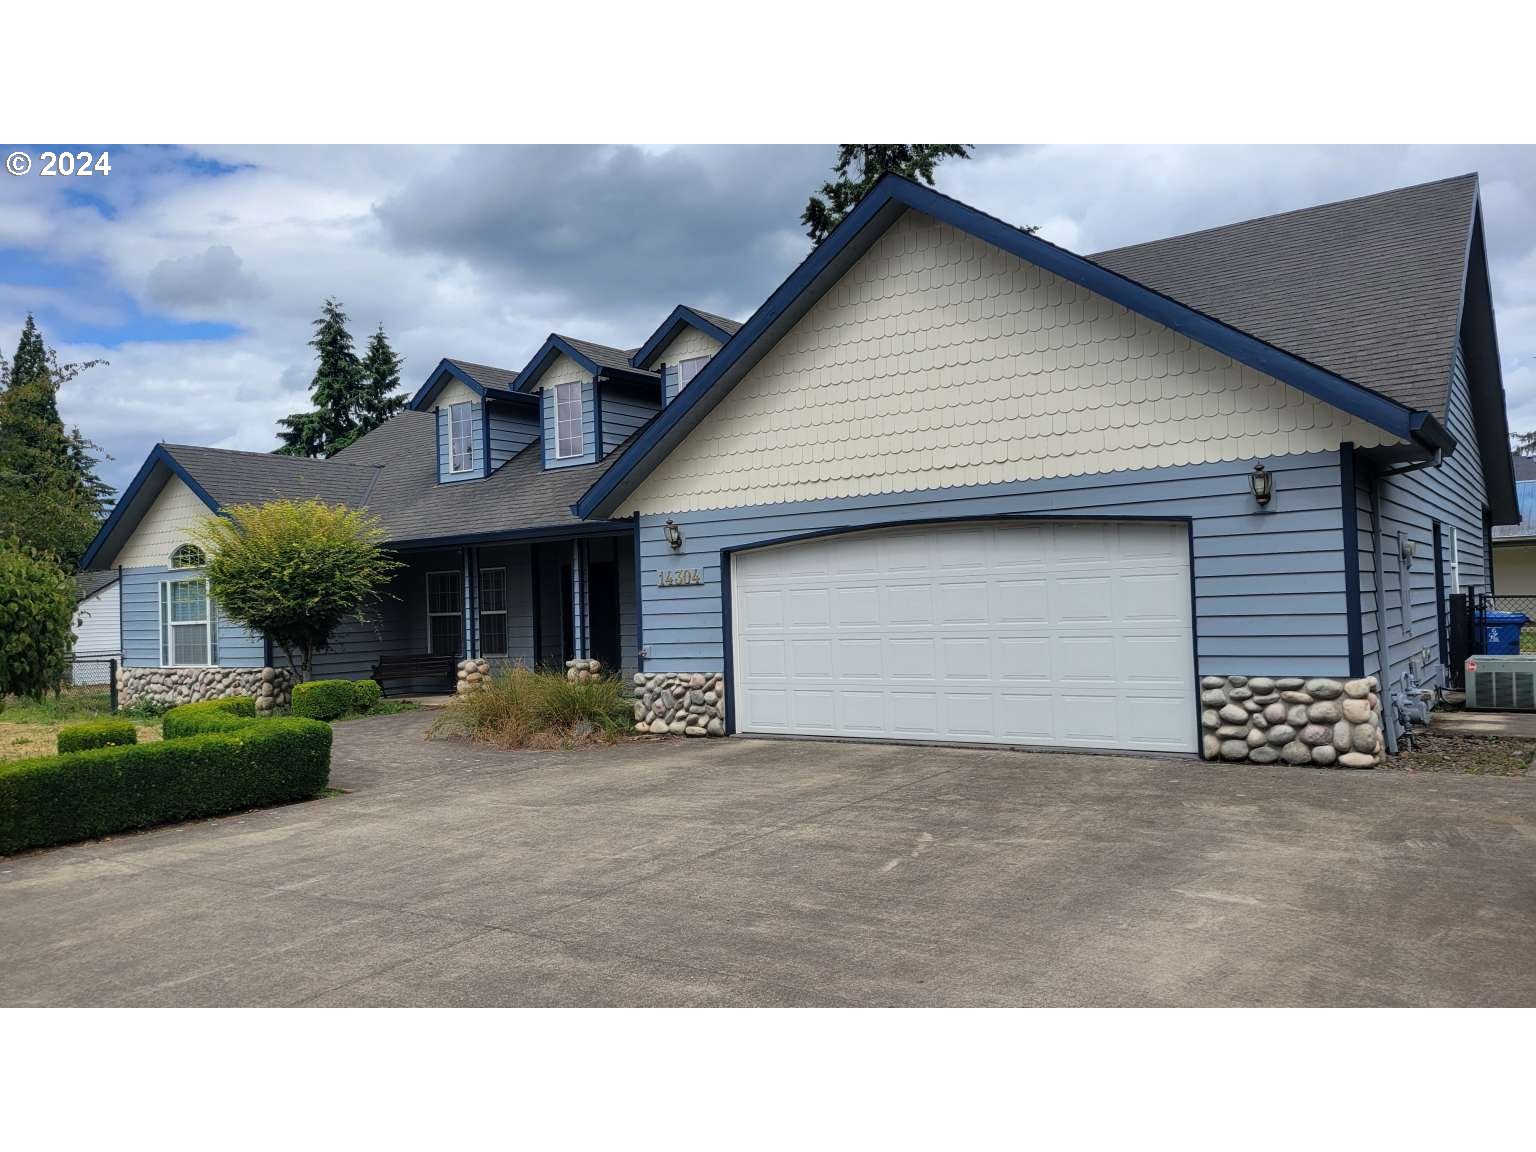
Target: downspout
{"x": 1383, "y": 639}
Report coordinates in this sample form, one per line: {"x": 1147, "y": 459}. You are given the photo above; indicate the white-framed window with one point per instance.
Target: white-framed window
{"x": 186, "y": 623}
{"x": 568, "y": 438}
{"x": 493, "y": 611}
{"x": 688, "y": 369}
{"x": 445, "y": 613}
{"x": 461, "y": 440}
{"x": 188, "y": 556}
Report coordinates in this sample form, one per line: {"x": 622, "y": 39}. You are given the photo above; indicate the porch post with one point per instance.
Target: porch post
{"x": 579, "y": 600}
{"x": 467, "y": 600}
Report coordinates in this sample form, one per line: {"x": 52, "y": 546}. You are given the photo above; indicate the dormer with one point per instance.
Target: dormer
{"x": 681, "y": 346}
{"x": 482, "y": 421}
{"x": 590, "y": 399}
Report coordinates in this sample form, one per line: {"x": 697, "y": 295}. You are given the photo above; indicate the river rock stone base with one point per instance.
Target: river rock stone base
{"x": 167, "y": 687}
{"x": 1291, "y": 720}
{"x": 680, "y": 703}
{"x": 472, "y": 675}
{"x": 581, "y": 671}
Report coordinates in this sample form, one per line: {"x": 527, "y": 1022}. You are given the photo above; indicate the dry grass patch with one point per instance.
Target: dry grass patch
{"x": 539, "y": 708}
{"x": 31, "y": 727}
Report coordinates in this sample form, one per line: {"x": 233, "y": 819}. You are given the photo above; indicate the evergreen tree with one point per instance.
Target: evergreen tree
{"x": 825, "y": 212}
{"x": 50, "y": 496}
{"x": 351, "y": 396}
{"x": 379, "y": 398}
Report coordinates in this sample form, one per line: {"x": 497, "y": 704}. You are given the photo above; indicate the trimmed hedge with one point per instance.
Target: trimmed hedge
{"x": 80, "y": 795}
{"x": 97, "y": 734}
{"x": 322, "y": 699}
{"x": 366, "y": 695}
{"x": 223, "y": 715}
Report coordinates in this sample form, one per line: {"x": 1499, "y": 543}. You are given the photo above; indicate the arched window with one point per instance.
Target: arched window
{"x": 188, "y": 556}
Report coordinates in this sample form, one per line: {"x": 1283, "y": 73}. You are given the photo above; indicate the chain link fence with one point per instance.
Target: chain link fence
{"x": 1515, "y": 606}
{"x": 88, "y": 675}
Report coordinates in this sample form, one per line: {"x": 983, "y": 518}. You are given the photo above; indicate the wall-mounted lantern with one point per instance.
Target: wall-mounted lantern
{"x": 674, "y": 536}
{"x": 1262, "y": 484}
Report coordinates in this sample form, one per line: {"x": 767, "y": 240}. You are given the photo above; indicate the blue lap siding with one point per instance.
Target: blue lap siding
{"x": 140, "y": 606}
{"x": 1270, "y": 586}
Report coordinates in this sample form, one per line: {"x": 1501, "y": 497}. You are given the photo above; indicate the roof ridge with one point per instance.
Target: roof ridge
{"x": 1282, "y": 215}
{"x": 262, "y": 455}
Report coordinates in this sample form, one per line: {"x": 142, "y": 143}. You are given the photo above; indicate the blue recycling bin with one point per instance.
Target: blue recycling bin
{"x": 1501, "y": 632}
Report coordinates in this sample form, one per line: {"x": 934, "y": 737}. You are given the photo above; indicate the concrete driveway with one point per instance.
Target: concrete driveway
{"x": 776, "y": 872}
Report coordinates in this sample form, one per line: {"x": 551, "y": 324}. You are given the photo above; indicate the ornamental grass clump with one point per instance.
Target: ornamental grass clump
{"x": 524, "y": 707}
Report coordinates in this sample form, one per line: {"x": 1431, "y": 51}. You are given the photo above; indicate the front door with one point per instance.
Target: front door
{"x": 603, "y": 588}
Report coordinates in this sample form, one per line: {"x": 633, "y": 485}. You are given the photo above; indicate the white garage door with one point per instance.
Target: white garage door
{"x": 1057, "y": 633}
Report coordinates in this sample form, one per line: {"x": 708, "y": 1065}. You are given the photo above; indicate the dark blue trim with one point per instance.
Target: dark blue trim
{"x": 485, "y": 439}
{"x": 556, "y": 344}
{"x": 728, "y": 644}
{"x": 639, "y": 600}
{"x": 437, "y": 439}
{"x": 157, "y": 456}
{"x": 444, "y": 368}
{"x": 597, "y": 423}
{"x": 879, "y": 208}
{"x": 682, "y": 316}
{"x": 1352, "y": 607}
{"x": 557, "y": 532}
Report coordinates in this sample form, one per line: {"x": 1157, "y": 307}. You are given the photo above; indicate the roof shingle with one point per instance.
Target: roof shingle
{"x": 1369, "y": 288}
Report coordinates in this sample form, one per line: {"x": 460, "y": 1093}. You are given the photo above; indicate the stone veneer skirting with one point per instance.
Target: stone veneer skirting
{"x": 1262, "y": 720}
{"x": 271, "y": 687}
{"x": 680, "y": 703}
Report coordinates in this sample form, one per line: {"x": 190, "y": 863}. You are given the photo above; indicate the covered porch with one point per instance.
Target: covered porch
{"x": 537, "y": 598}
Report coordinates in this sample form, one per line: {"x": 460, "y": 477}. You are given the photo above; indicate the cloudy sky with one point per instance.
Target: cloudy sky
{"x": 197, "y": 272}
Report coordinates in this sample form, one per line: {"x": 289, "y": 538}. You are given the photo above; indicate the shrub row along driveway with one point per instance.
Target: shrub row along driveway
{"x": 769, "y": 872}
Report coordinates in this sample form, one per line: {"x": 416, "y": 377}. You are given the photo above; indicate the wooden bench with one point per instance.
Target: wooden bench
{"x": 444, "y": 668}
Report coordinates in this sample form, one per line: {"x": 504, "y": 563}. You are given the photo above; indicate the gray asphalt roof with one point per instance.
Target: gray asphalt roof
{"x": 232, "y": 477}
{"x": 487, "y": 376}
{"x": 90, "y": 583}
{"x": 392, "y": 471}
{"x": 731, "y": 326}
{"x": 604, "y": 355}
{"x": 1369, "y": 288}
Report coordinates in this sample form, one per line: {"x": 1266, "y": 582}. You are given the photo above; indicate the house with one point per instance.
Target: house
{"x": 951, "y": 482}
{"x": 97, "y": 626}
{"x": 1514, "y": 545}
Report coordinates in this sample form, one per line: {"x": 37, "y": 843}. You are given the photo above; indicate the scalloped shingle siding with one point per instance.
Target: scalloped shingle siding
{"x": 939, "y": 361}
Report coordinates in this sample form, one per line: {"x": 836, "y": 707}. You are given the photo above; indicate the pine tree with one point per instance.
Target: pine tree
{"x": 379, "y": 398}
{"x": 825, "y": 212}
{"x": 351, "y": 396}
{"x": 50, "y": 495}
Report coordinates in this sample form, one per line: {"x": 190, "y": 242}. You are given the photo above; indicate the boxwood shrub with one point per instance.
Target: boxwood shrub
{"x": 365, "y": 695}
{"x": 79, "y": 795}
{"x": 97, "y": 734}
{"x": 323, "y": 699}
{"x": 223, "y": 715}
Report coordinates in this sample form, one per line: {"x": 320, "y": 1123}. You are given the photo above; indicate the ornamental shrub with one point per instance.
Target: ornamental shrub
{"x": 79, "y": 795}
{"x": 97, "y": 734}
{"x": 222, "y": 715}
{"x": 365, "y": 695}
{"x": 323, "y": 699}
{"x": 37, "y": 611}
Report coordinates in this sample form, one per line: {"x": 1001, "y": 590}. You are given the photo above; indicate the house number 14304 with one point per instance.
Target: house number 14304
{"x": 677, "y": 577}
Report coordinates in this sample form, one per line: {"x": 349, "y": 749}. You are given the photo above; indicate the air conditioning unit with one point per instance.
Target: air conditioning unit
{"x": 1502, "y": 683}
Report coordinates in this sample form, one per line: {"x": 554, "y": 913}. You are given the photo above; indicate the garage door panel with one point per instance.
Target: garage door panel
{"x": 1067, "y": 633}
{"x": 856, "y": 607}
{"x": 963, "y": 658}
{"x": 910, "y": 658}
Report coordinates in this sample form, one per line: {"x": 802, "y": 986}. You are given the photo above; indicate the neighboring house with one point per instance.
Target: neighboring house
{"x": 1514, "y": 545}
{"x": 97, "y": 621}
{"x": 949, "y": 482}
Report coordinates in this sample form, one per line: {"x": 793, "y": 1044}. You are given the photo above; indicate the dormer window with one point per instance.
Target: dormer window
{"x": 688, "y": 369}
{"x": 461, "y": 442}
{"x": 568, "y": 439}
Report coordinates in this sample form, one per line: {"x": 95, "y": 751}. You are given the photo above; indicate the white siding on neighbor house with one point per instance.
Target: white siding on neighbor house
{"x": 170, "y": 521}
{"x": 940, "y": 361}
{"x": 97, "y": 628}
{"x": 1514, "y": 568}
